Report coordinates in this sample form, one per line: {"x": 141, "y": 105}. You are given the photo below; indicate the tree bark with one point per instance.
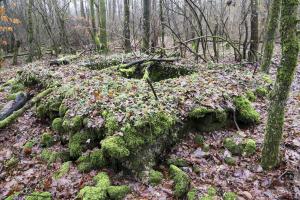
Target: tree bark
{"x": 127, "y": 44}
{"x": 273, "y": 18}
{"x": 82, "y": 12}
{"x": 285, "y": 75}
{"x": 146, "y": 25}
{"x": 94, "y": 29}
{"x": 103, "y": 34}
{"x": 252, "y": 54}
{"x": 162, "y": 21}
{"x": 30, "y": 31}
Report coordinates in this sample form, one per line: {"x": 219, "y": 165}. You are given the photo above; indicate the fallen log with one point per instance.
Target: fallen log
{"x": 8, "y": 120}
{"x": 65, "y": 60}
{"x": 141, "y": 61}
{"x": 14, "y": 105}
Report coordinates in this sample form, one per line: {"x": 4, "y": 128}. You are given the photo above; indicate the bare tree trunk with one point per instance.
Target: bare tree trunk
{"x": 252, "y": 54}
{"x": 127, "y": 44}
{"x": 82, "y": 12}
{"x": 280, "y": 93}
{"x": 162, "y": 21}
{"x": 146, "y": 25}
{"x": 30, "y": 31}
{"x": 75, "y": 7}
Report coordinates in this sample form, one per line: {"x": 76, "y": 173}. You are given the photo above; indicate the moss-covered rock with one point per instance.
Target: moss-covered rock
{"x": 49, "y": 156}
{"x": 57, "y": 125}
{"x": 74, "y": 124}
{"x": 211, "y": 191}
{"x": 39, "y": 196}
{"x": 118, "y": 192}
{"x": 192, "y": 194}
{"x": 181, "y": 181}
{"x": 115, "y": 147}
{"x": 64, "y": 169}
{"x": 13, "y": 96}
{"x": 47, "y": 140}
{"x": 229, "y": 196}
{"x": 233, "y": 147}
{"x": 92, "y": 160}
{"x": 17, "y": 87}
{"x": 41, "y": 111}
{"x": 62, "y": 110}
{"x": 246, "y": 114}
{"x": 78, "y": 143}
{"x": 250, "y": 147}
{"x": 102, "y": 180}
{"x": 111, "y": 124}
{"x": 13, "y": 196}
{"x": 155, "y": 177}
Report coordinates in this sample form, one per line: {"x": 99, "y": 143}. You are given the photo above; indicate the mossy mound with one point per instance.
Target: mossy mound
{"x": 124, "y": 123}
{"x": 155, "y": 177}
{"x": 246, "y": 147}
{"x": 39, "y": 196}
{"x": 181, "y": 181}
{"x": 103, "y": 190}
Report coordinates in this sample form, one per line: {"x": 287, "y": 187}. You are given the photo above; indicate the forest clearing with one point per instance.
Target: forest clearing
{"x": 152, "y": 99}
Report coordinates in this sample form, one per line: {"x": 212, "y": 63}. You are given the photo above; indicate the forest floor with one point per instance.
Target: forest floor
{"x": 246, "y": 178}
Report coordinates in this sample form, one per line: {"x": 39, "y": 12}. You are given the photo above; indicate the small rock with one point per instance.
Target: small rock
{"x": 199, "y": 153}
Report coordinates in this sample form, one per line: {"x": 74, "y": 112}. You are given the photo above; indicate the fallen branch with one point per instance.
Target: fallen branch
{"x": 65, "y": 60}
{"x": 8, "y": 120}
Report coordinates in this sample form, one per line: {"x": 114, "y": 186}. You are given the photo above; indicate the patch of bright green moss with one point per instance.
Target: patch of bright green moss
{"x": 57, "y": 125}
{"x": 13, "y": 196}
{"x": 29, "y": 144}
{"x": 118, "y": 192}
{"x": 39, "y": 196}
{"x": 62, "y": 110}
{"x": 229, "y": 196}
{"x": 261, "y": 91}
{"x": 111, "y": 124}
{"x": 64, "y": 169}
{"x": 233, "y": 147}
{"x": 211, "y": 193}
{"x": 17, "y": 87}
{"x": 250, "y": 96}
{"x": 93, "y": 160}
{"x": 192, "y": 194}
{"x": 250, "y": 147}
{"x": 267, "y": 79}
{"x": 74, "y": 124}
{"x": 115, "y": 147}
{"x": 77, "y": 143}
{"x": 13, "y": 96}
{"x": 245, "y": 112}
{"x": 181, "y": 181}
{"x": 47, "y": 140}
{"x": 155, "y": 177}
{"x": 12, "y": 162}
{"x": 41, "y": 111}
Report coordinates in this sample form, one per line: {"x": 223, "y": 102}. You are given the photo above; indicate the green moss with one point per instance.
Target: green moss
{"x": 230, "y": 160}
{"x": 229, "y": 196}
{"x": 192, "y": 194}
{"x": 64, "y": 169}
{"x": 118, "y": 192}
{"x": 14, "y": 95}
{"x": 13, "y": 196}
{"x": 245, "y": 112}
{"x": 77, "y": 143}
{"x": 29, "y": 144}
{"x": 12, "y": 162}
{"x": 155, "y": 177}
{"x": 211, "y": 191}
{"x": 128, "y": 72}
{"x": 199, "y": 140}
{"x": 179, "y": 162}
{"x": 233, "y": 147}
{"x": 49, "y": 156}
{"x": 132, "y": 137}
{"x": 199, "y": 112}
{"x": 47, "y": 140}
{"x": 39, "y": 196}
{"x": 250, "y": 96}
{"x": 111, "y": 124}
{"x": 102, "y": 180}
{"x": 57, "y": 125}
{"x": 181, "y": 181}
{"x": 42, "y": 111}
{"x": 17, "y": 87}
{"x": 115, "y": 147}
{"x": 62, "y": 110}
{"x": 261, "y": 91}
{"x": 93, "y": 160}
{"x": 92, "y": 193}
{"x": 74, "y": 124}
{"x": 250, "y": 147}
{"x": 267, "y": 79}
